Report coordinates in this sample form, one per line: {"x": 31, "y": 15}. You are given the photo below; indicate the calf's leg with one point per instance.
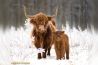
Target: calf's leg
{"x": 67, "y": 54}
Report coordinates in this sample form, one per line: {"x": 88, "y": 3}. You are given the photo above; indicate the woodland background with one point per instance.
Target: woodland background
{"x": 77, "y": 13}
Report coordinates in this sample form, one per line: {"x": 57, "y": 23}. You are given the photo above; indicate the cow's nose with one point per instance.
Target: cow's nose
{"x": 41, "y": 27}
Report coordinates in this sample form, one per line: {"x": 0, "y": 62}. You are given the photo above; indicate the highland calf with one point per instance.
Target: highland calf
{"x": 61, "y": 44}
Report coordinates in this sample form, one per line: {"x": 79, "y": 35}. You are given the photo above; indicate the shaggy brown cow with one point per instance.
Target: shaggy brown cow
{"x": 44, "y": 26}
{"x": 61, "y": 44}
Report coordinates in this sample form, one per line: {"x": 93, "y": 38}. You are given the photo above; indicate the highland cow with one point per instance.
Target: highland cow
{"x": 44, "y": 26}
{"x": 61, "y": 44}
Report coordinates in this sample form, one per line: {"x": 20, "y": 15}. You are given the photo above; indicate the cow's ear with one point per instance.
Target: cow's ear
{"x": 50, "y": 17}
{"x": 32, "y": 20}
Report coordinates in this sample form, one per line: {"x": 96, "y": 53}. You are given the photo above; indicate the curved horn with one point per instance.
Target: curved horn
{"x": 56, "y": 12}
{"x": 25, "y": 12}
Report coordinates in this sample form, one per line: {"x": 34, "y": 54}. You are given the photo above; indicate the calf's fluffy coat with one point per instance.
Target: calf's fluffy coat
{"x": 61, "y": 44}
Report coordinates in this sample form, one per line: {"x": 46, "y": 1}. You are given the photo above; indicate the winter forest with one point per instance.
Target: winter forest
{"x": 77, "y": 13}
{"x": 78, "y": 18}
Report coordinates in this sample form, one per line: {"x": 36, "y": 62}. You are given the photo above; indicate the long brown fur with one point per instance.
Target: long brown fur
{"x": 61, "y": 43}
{"x": 44, "y": 27}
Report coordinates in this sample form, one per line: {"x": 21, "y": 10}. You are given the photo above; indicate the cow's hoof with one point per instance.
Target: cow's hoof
{"x": 48, "y": 54}
{"x": 44, "y": 55}
{"x": 39, "y": 56}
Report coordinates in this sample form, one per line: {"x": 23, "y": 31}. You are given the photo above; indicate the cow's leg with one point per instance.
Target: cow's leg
{"x": 49, "y": 51}
{"x": 44, "y": 53}
{"x": 38, "y": 48}
{"x": 39, "y": 56}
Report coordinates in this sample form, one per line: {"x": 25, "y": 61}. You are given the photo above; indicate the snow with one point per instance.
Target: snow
{"x": 16, "y": 46}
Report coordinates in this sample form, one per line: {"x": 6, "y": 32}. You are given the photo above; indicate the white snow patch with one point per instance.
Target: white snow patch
{"x": 16, "y": 45}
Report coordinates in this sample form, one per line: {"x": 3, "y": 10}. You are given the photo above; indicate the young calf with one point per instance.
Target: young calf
{"x": 61, "y": 44}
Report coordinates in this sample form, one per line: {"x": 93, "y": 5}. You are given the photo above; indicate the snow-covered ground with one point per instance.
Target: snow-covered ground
{"x": 16, "y": 46}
